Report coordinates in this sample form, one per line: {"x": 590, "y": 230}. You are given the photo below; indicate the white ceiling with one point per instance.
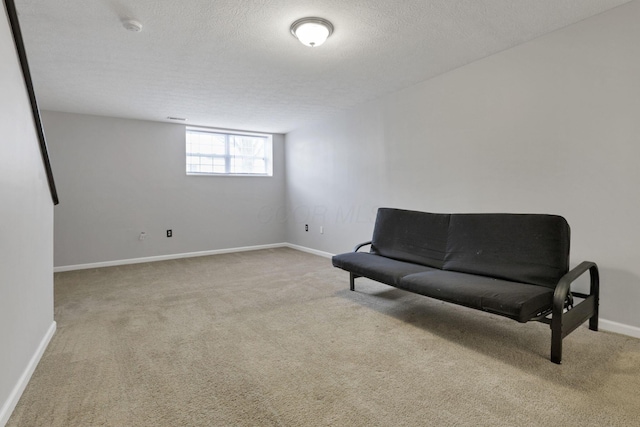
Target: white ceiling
{"x": 234, "y": 64}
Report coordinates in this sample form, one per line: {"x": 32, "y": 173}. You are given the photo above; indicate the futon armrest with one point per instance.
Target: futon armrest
{"x": 361, "y": 245}
{"x": 562, "y": 324}
{"x": 564, "y": 285}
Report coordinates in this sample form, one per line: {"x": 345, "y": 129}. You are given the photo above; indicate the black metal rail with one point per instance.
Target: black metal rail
{"x": 563, "y": 322}
{"x": 22, "y": 56}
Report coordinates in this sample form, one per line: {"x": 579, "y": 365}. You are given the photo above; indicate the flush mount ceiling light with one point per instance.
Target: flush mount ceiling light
{"x": 132, "y": 25}
{"x": 312, "y": 31}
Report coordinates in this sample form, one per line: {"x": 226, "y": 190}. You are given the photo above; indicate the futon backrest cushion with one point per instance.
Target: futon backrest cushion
{"x": 411, "y": 236}
{"x": 528, "y": 248}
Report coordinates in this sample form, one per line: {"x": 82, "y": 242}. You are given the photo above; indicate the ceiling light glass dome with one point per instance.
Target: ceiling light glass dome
{"x": 312, "y": 31}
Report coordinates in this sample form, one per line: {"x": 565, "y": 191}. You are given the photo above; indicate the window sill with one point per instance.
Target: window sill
{"x": 247, "y": 175}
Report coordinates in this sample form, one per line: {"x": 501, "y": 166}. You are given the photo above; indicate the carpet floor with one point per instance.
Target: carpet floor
{"x": 275, "y": 338}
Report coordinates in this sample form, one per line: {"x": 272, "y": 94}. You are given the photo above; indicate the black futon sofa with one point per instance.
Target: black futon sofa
{"x": 513, "y": 265}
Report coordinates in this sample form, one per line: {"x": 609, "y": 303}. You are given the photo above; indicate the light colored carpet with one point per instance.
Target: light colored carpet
{"x": 275, "y": 338}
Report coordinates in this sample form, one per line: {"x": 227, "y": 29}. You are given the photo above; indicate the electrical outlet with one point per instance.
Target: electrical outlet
{"x": 321, "y": 229}
{"x": 306, "y": 227}
{"x": 169, "y": 233}
{"x": 143, "y": 236}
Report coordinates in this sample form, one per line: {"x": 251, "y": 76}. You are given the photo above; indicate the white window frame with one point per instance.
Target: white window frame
{"x": 268, "y": 151}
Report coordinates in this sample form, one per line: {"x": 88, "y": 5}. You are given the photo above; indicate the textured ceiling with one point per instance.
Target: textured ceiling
{"x": 234, "y": 63}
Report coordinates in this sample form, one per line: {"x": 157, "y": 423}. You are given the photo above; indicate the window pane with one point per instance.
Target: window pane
{"x": 219, "y": 165}
{"x": 206, "y": 161}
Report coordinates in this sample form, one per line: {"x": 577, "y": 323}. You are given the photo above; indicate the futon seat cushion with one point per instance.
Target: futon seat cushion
{"x": 518, "y": 301}
{"x": 376, "y": 267}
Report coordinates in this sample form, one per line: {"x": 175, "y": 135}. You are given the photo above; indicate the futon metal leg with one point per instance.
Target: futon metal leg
{"x": 556, "y": 336}
{"x": 595, "y": 291}
{"x": 556, "y": 346}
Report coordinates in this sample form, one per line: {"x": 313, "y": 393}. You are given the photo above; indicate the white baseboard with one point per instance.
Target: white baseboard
{"x": 16, "y": 393}
{"x": 308, "y": 250}
{"x": 164, "y": 257}
{"x": 619, "y": 328}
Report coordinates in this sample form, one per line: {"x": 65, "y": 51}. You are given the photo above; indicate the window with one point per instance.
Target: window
{"x": 211, "y": 152}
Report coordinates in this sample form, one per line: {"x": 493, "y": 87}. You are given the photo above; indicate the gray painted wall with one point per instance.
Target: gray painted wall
{"x": 551, "y": 126}
{"x": 120, "y": 177}
{"x": 26, "y": 230}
